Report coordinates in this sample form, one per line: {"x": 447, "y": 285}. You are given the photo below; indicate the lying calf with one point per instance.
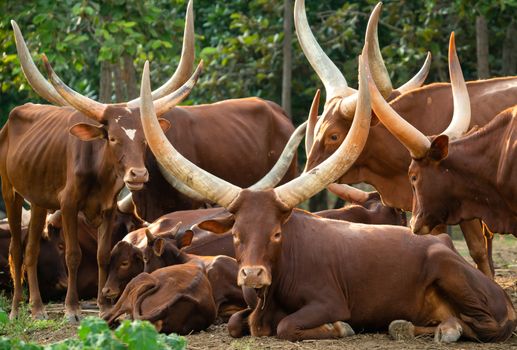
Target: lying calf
{"x": 221, "y": 270}
{"x": 175, "y": 299}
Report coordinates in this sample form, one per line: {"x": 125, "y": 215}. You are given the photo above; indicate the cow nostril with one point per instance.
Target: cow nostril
{"x": 259, "y": 272}
{"x": 243, "y": 272}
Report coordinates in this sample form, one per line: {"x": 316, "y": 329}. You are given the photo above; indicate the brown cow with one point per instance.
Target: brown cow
{"x": 96, "y": 161}
{"x": 175, "y": 299}
{"x": 440, "y": 167}
{"x": 384, "y": 161}
{"x": 366, "y": 275}
{"x": 51, "y": 264}
{"x": 221, "y": 270}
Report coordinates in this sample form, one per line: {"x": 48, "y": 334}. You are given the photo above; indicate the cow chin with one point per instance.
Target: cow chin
{"x": 256, "y": 277}
{"x": 419, "y": 226}
{"x": 134, "y": 186}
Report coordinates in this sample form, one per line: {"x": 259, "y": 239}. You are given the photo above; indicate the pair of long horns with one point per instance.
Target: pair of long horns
{"x": 224, "y": 193}
{"x": 335, "y": 83}
{"x": 416, "y": 142}
{"x": 55, "y": 96}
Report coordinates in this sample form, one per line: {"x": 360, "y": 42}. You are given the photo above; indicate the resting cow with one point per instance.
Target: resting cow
{"x": 312, "y": 275}
{"x": 175, "y": 299}
{"x": 221, "y": 270}
{"x": 458, "y": 178}
{"x": 384, "y": 162}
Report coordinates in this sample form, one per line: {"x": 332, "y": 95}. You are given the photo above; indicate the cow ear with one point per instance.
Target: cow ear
{"x": 439, "y": 148}
{"x": 88, "y": 132}
{"x": 164, "y": 124}
{"x": 184, "y": 239}
{"x": 218, "y": 225}
{"x": 150, "y": 237}
{"x": 158, "y": 246}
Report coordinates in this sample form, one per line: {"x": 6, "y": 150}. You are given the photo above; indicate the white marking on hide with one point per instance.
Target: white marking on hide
{"x": 128, "y": 110}
{"x": 130, "y": 133}
{"x": 118, "y": 118}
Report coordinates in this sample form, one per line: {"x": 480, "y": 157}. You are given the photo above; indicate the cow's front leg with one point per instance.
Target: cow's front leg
{"x": 73, "y": 257}
{"x": 103, "y": 254}
{"x": 314, "y": 321}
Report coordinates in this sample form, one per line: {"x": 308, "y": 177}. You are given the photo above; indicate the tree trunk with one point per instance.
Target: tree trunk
{"x": 510, "y": 50}
{"x": 130, "y": 78}
{"x": 287, "y": 67}
{"x": 482, "y": 47}
{"x": 105, "y": 87}
{"x": 119, "y": 82}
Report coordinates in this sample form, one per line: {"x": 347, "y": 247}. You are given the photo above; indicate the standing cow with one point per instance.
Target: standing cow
{"x": 458, "y": 178}
{"x": 367, "y": 276}
{"x": 384, "y": 161}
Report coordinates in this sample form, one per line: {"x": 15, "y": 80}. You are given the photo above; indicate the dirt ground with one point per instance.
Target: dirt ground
{"x": 216, "y": 337}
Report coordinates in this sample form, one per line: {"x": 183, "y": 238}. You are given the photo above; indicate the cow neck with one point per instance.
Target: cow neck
{"x": 481, "y": 157}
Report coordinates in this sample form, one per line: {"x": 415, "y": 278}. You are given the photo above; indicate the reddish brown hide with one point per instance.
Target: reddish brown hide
{"x": 175, "y": 299}
{"x": 486, "y": 157}
{"x": 358, "y": 276}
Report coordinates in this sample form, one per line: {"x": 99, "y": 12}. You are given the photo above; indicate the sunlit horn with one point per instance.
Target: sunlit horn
{"x": 208, "y": 185}
{"x": 348, "y": 193}
{"x": 83, "y": 104}
{"x": 335, "y": 83}
{"x": 313, "y": 119}
{"x": 186, "y": 64}
{"x": 313, "y": 181}
{"x": 419, "y": 79}
{"x": 461, "y": 118}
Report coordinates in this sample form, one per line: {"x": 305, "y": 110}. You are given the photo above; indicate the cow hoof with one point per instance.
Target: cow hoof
{"x": 40, "y": 315}
{"x": 343, "y": 329}
{"x": 73, "y": 317}
{"x": 401, "y": 330}
{"x": 447, "y": 335}
{"x": 13, "y": 314}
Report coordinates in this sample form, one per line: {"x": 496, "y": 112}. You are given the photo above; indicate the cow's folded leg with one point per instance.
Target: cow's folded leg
{"x": 32, "y": 249}
{"x": 309, "y": 323}
{"x": 448, "y": 331}
{"x": 405, "y": 330}
{"x": 238, "y": 325}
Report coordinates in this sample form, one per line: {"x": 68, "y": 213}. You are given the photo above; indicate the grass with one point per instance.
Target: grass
{"x": 23, "y": 327}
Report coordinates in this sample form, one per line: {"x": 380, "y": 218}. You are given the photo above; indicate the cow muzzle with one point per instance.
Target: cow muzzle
{"x": 110, "y": 293}
{"x": 418, "y": 226}
{"x": 135, "y": 178}
{"x": 254, "y": 277}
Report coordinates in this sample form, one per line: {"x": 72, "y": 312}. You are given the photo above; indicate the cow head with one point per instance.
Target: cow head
{"x": 52, "y": 273}
{"x": 126, "y": 261}
{"x": 257, "y": 216}
{"x": 335, "y": 122}
{"x": 119, "y": 127}
{"x": 428, "y": 172}
{"x": 165, "y": 249}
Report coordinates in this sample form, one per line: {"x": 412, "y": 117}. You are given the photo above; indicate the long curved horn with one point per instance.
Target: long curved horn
{"x": 31, "y": 72}
{"x": 310, "y": 183}
{"x": 313, "y": 119}
{"x": 278, "y": 171}
{"x": 180, "y": 186}
{"x": 377, "y": 67}
{"x": 335, "y": 83}
{"x": 85, "y": 105}
{"x": 166, "y": 103}
{"x": 209, "y": 186}
{"x": 185, "y": 66}
{"x": 419, "y": 78}
{"x": 126, "y": 205}
{"x": 348, "y": 193}
{"x": 416, "y": 142}
{"x": 461, "y": 118}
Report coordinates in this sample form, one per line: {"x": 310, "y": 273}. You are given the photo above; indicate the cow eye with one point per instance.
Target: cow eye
{"x": 334, "y": 137}
{"x": 277, "y": 236}
{"x": 413, "y": 178}
{"x": 61, "y": 247}
{"x": 112, "y": 139}
{"x": 124, "y": 264}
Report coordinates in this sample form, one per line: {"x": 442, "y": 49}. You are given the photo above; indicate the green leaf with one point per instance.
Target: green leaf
{"x": 91, "y": 325}
{"x": 138, "y": 335}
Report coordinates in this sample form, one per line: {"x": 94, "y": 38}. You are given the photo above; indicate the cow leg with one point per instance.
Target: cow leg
{"x": 475, "y": 239}
{"x": 73, "y": 259}
{"x": 405, "y": 330}
{"x": 13, "y": 206}
{"x": 310, "y": 322}
{"x": 103, "y": 255}
{"x": 32, "y": 249}
{"x": 488, "y": 238}
{"x": 448, "y": 331}
{"x": 238, "y": 325}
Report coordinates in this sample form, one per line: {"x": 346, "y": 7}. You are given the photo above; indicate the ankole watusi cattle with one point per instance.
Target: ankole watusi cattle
{"x": 175, "y": 299}
{"x": 384, "y": 161}
{"x": 456, "y": 177}
{"x": 101, "y": 148}
{"x": 284, "y": 253}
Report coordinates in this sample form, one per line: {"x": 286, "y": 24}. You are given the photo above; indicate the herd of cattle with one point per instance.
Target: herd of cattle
{"x": 210, "y": 229}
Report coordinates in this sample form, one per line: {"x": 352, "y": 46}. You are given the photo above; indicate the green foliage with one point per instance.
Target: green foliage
{"x": 94, "y": 334}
